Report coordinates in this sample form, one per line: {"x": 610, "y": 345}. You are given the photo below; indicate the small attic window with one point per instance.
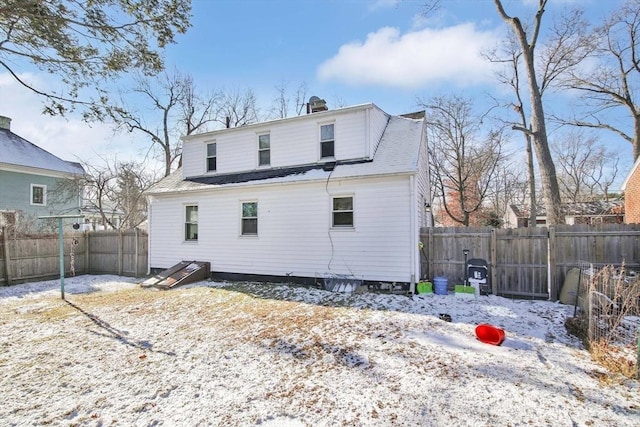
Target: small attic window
{"x": 327, "y": 140}
{"x": 264, "y": 149}
{"x": 212, "y": 157}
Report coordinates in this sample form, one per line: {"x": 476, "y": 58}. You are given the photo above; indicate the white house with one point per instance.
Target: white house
{"x": 337, "y": 193}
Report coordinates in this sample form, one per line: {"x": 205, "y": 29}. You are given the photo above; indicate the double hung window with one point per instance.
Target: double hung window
{"x": 342, "y": 212}
{"x": 327, "y": 140}
{"x": 264, "y": 149}
{"x": 212, "y": 157}
{"x": 191, "y": 223}
{"x": 250, "y": 218}
{"x": 38, "y": 195}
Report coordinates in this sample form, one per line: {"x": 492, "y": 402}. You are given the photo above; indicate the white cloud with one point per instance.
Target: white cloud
{"x": 415, "y": 59}
{"x": 68, "y": 138}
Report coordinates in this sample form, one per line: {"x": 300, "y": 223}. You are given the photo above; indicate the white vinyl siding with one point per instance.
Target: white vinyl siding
{"x": 423, "y": 187}
{"x": 293, "y": 225}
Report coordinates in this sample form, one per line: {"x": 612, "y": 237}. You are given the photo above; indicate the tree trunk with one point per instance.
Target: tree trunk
{"x": 532, "y": 184}
{"x": 538, "y": 126}
{"x": 636, "y": 137}
{"x": 543, "y": 154}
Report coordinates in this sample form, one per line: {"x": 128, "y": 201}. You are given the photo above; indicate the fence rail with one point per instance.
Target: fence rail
{"x": 36, "y": 257}
{"x": 529, "y": 262}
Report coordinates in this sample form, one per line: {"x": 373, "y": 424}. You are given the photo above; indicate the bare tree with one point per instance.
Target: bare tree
{"x": 236, "y": 108}
{"x": 587, "y": 167}
{"x": 115, "y": 191}
{"x": 509, "y": 186}
{"x": 464, "y": 159}
{"x": 197, "y": 108}
{"x": 565, "y": 49}
{"x": 175, "y": 108}
{"x": 281, "y": 107}
{"x": 511, "y": 57}
{"x": 613, "y": 83}
{"x": 85, "y": 43}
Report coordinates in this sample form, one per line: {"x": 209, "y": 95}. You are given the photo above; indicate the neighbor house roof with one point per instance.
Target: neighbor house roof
{"x": 635, "y": 166}
{"x": 397, "y": 153}
{"x": 17, "y": 151}
{"x": 594, "y": 208}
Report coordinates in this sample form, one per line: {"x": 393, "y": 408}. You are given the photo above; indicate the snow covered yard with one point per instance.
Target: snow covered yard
{"x": 276, "y": 355}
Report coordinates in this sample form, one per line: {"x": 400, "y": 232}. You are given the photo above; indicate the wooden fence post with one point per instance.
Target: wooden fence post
{"x": 493, "y": 262}
{"x": 552, "y": 259}
{"x": 430, "y": 251}
{"x": 120, "y": 253}
{"x": 7, "y": 258}
{"x": 137, "y": 255}
{"x": 87, "y": 267}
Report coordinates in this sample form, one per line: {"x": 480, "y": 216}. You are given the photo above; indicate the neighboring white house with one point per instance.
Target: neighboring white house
{"x": 328, "y": 194}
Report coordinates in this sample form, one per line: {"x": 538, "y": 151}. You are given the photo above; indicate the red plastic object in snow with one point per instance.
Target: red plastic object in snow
{"x": 490, "y": 334}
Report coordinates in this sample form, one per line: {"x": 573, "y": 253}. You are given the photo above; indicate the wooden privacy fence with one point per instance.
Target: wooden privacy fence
{"x": 36, "y": 257}
{"x": 528, "y": 262}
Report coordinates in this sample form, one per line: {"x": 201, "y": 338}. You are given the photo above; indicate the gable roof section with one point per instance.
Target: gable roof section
{"x": 397, "y": 153}
{"x": 635, "y": 167}
{"x": 20, "y": 152}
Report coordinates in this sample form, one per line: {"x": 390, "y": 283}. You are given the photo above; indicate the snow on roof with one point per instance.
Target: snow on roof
{"x": 597, "y": 207}
{"x": 397, "y": 153}
{"x": 16, "y": 150}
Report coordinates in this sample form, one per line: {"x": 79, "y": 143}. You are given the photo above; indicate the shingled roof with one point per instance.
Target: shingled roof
{"x": 594, "y": 208}
{"x": 17, "y": 151}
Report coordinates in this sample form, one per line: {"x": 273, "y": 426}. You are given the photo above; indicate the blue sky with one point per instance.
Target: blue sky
{"x": 346, "y": 51}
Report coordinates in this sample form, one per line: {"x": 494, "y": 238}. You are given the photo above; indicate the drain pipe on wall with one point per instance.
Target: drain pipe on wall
{"x": 413, "y": 240}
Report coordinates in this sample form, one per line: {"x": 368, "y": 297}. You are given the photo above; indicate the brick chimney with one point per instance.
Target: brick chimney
{"x": 5, "y": 123}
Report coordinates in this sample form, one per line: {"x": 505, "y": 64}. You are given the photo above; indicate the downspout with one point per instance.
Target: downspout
{"x": 149, "y": 198}
{"x": 412, "y": 239}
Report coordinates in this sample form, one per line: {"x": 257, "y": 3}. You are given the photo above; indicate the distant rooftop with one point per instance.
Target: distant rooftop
{"x": 597, "y": 207}
{"x": 15, "y": 150}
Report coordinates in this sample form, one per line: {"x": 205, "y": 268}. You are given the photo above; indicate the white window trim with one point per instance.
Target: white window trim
{"x": 249, "y": 236}
{"x": 258, "y": 135}
{"x": 206, "y": 156}
{"x": 320, "y": 140}
{"x": 184, "y": 223}
{"x": 44, "y": 195}
{"x": 351, "y": 227}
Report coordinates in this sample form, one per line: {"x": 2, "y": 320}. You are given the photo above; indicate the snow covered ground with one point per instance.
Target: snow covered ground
{"x": 275, "y": 355}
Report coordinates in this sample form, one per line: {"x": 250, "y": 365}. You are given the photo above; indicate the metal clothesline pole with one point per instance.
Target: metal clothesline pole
{"x": 61, "y": 245}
